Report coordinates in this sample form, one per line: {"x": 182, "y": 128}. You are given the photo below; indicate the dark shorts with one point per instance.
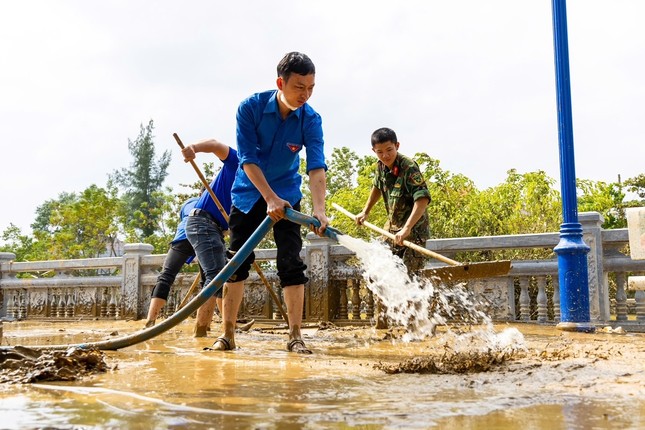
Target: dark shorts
{"x": 291, "y": 268}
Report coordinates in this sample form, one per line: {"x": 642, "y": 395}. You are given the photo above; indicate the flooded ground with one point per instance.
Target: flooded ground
{"x": 356, "y": 379}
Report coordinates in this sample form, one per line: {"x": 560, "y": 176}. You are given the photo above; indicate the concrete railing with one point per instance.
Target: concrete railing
{"x": 120, "y": 287}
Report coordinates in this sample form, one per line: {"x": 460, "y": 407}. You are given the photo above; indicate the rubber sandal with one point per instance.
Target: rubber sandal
{"x": 245, "y": 327}
{"x": 298, "y": 346}
{"x": 226, "y": 343}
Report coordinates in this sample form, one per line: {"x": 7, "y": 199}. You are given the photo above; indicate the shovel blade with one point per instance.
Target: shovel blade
{"x": 461, "y": 272}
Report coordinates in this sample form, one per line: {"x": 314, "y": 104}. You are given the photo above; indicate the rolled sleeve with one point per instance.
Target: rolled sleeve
{"x": 422, "y": 192}
{"x": 314, "y": 143}
{"x": 247, "y": 140}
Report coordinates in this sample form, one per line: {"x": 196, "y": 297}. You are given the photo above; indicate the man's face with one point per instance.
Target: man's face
{"x": 386, "y": 152}
{"x": 298, "y": 88}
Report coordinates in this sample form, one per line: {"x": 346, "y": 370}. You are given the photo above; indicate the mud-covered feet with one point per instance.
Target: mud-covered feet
{"x": 298, "y": 346}
{"x": 200, "y": 330}
{"x": 222, "y": 344}
{"x": 149, "y": 324}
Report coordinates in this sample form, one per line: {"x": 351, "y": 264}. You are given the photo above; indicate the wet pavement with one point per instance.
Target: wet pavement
{"x": 357, "y": 378}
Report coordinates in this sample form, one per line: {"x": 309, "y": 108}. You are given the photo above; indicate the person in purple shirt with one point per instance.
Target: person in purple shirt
{"x": 273, "y": 127}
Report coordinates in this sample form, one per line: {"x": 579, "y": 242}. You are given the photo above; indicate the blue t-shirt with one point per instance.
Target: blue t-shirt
{"x": 183, "y": 213}
{"x": 274, "y": 145}
{"x": 221, "y": 186}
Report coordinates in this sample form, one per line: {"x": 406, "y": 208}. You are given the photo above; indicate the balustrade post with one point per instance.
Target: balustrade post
{"x": 621, "y": 297}
{"x": 342, "y": 286}
{"x": 5, "y": 259}
{"x": 356, "y": 299}
{"x": 556, "y": 298}
{"x": 318, "y": 301}
{"x": 131, "y": 286}
{"x": 541, "y": 300}
{"x": 525, "y": 300}
{"x": 598, "y": 280}
{"x": 639, "y": 297}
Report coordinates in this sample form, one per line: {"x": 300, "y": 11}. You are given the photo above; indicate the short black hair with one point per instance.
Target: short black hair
{"x": 295, "y": 62}
{"x": 383, "y": 135}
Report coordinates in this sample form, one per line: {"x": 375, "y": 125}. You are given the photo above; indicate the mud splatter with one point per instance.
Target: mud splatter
{"x": 21, "y": 365}
{"x": 452, "y": 362}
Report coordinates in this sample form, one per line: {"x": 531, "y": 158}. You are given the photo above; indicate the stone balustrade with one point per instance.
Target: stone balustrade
{"x": 120, "y": 287}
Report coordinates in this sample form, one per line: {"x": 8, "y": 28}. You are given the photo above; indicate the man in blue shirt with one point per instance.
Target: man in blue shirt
{"x": 205, "y": 225}
{"x": 272, "y": 128}
{"x": 180, "y": 252}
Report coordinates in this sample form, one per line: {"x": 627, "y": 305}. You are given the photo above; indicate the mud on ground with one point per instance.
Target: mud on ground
{"x": 26, "y": 365}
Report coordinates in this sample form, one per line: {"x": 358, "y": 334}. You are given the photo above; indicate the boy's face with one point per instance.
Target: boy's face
{"x": 386, "y": 152}
{"x": 297, "y": 89}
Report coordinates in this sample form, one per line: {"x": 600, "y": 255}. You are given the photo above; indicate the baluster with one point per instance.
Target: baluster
{"x": 640, "y": 305}
{"x": 621, "y": 297}
{"x": 525, "y": 301}
{"x": 15, "y": 308}
{"x": 556, "y": 298}
{"x": 104, "y": 303}
{"x": 22, "y": 311}
{"x": 118, "y": 310}
{"x": 342, "y": 288}
{"x": 111, "y": 313}
{"x": 52, "y": 304}
{"x": 541, "y": 300}
{"x": 370, "y": 305}
{"x": 69, "y": 311}
{"x": 356, "y": 300}
{"x": 60, "y": 310}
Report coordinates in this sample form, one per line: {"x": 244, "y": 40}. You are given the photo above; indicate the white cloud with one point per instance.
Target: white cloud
{"x": 469, "y": 82}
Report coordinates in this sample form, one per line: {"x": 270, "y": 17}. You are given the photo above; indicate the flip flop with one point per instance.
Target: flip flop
{"x": 298, "y": 346}
{"x": 245, "y": 327}
{"x": 226, "y": 343}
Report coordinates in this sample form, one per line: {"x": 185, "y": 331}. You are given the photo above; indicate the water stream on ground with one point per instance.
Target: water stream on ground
{"x": 357, "y": 378}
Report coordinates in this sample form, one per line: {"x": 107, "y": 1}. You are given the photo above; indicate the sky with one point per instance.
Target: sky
{"x": 469, "y": 82}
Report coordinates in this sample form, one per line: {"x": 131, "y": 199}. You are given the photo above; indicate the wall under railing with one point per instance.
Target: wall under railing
{"x": 120, "y": 287}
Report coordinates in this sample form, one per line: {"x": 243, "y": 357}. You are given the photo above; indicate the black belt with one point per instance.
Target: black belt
{"x": 204, "y": 214}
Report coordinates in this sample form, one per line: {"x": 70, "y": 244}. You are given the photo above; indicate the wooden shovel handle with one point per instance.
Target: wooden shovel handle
{"x": 256, "y": 266}
{"x": 203, "y": 179}
{"x": 391, "y": 236}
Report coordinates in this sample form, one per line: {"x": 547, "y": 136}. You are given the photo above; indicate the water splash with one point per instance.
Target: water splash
{"x": 420, "y": 304}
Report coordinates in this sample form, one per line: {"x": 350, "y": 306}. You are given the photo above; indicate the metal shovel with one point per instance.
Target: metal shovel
{"x": 456, "y": 271}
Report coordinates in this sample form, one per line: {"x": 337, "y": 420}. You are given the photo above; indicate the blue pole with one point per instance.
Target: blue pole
{"x": 571, "y": 250}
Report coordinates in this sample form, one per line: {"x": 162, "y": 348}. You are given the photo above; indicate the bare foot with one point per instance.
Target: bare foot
{"x": 200, "y": 331}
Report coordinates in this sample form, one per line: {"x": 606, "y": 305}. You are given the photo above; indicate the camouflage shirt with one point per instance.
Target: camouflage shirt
{"x": 401, "y": 186}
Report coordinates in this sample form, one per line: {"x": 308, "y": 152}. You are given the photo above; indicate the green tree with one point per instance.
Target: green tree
{"x": 24, "y": 246}
{"x": 79, "y": 226}
{"x": 605, "y": 198}
{"x": 142, "y": 181}
{"x": 342, "y": 170}
{"x": 637, "y": 185}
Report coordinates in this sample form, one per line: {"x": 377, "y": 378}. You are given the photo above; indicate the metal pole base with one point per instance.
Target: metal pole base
{"x": 577, "y": 327}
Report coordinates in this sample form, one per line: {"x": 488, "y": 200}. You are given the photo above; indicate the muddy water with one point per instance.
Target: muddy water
{"x": 563, "y": 381}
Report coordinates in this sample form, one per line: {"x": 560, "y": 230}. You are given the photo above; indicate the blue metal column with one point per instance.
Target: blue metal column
{"x": 571, "y": 250}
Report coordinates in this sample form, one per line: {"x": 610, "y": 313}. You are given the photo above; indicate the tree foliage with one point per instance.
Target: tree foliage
{"x": 89, "y": 223}
{"x": 142, "y": 183}
{"x": 81, "y": 225}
